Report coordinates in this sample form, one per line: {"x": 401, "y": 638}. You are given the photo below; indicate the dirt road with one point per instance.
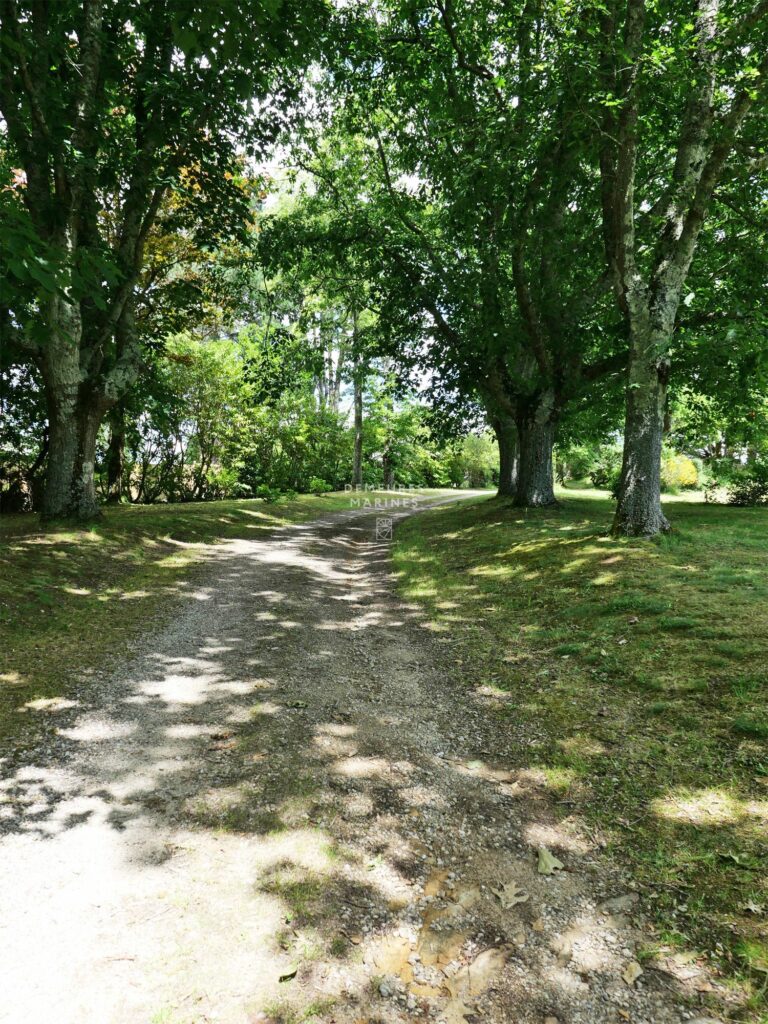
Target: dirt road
{"x": 285, "y": 809}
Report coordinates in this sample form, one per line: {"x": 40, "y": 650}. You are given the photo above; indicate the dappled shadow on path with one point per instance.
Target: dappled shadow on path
{"x": 286, "y": 806}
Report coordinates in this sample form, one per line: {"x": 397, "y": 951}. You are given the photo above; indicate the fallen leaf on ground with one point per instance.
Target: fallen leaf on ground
{"x": 741, "y": 860}
{"x": 290, "y": 973}
{"x": 509, "y": 895}
{"x": 753, "y": 908}
{"x": 632, "y": 972}
{"x": 548, "y": 863}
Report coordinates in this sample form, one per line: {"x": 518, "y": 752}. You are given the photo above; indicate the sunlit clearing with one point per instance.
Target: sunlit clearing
{"x": 708, "y": 807}
{"x": 361, "y": 767}
{"x": 11, "y": 678}
{"x": 582, "y": 746}
{"x": 49, "y": 704}
{"x": 604, "y": 579}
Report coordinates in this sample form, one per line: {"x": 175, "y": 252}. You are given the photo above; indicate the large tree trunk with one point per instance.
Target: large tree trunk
{"x": 357, "y": 460}
{"x": 639, "y": 513}
{"x": 115, "y": 454}
{"x": 505, "y": 429}
{"x": 62, "y": 427}
{"x": 83, "y": 503}
{"x": 536, "y": 433}
{"x": 60, "y": 371}
{"x": 74, "y": 414}
{"x": 69, "y": 484}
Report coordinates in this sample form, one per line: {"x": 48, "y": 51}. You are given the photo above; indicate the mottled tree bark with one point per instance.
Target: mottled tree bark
{"x": 638, "y": 513}
{"x": 83, "y": 503}
{"x": 114, "y": 462}
{"x": 505, "y": 430}
{"x": 536, "y": 433}
{"x": 69, "y": 488}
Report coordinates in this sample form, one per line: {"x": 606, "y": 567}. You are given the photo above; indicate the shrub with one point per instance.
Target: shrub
{"x": 575, "y": 461}
{"x": 267, "y": 493}
{"x": 606, "y": 470}
{"x": 318, "y": 485}
{"x": 750, "y": 485}
{"x": 678, "y": 473}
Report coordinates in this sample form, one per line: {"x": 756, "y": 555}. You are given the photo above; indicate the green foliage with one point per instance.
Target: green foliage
{"x": 187, "y": 444}
{"x": 601, "y": 463}
{"x": 606, "y": 468}
{"x": 574, "y": 462}
{"x": 243, "y": 418}
{"x": 318, "y": 486}
{"x": 23, "y": 438}
{"x": 475, "y": 461}
{"x": 749, "y": 485}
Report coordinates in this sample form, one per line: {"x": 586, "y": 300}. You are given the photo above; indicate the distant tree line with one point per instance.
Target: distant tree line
{"x": 551, "y": 219}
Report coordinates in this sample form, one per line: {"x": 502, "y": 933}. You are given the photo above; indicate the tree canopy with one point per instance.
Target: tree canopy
{"x": 544, "y": 218}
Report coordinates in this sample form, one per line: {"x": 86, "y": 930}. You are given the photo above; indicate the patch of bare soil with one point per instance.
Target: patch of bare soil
{"x": 284, "y": 809}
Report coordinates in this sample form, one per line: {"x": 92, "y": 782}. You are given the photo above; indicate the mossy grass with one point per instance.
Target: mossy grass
{"x": 638, "y": 668}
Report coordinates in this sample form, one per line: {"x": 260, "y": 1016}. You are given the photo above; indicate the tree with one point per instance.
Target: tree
{"x": 109, "y": 105}
{"x": 683, "y": 109}
{"x": 314, "y": 237}
{"x": 480, "y": 173}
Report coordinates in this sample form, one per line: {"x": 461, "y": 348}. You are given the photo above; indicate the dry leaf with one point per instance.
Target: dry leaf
{"x": 509, "y": 895}
{"x": 548, "y": 863}
{"x": 753, "y": 908}
{"x": 632, "y": 972}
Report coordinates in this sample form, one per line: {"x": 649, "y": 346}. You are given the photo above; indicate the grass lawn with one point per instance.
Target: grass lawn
{"x": 74, "y": 600}
{"x": 635, "y": 674}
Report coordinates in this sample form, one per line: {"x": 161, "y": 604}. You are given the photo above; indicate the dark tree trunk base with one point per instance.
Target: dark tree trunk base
{"x": 536, "y": 478}
{"x": 647, "y": 524}
{"x": 638, "y": 512}
{"x": 509, "y": 456}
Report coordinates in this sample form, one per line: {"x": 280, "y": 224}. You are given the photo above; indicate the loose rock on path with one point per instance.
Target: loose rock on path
{"x": 286, "y": 809}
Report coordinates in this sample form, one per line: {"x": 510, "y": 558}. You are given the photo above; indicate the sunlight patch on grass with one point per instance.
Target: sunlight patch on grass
{"x": 638, "y": 667}
{"x": 707, "y": 807}
{"x": 582, "y": 746}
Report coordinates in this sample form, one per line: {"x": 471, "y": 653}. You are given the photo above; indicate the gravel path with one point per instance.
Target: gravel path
{"x": 284, "y": 809}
